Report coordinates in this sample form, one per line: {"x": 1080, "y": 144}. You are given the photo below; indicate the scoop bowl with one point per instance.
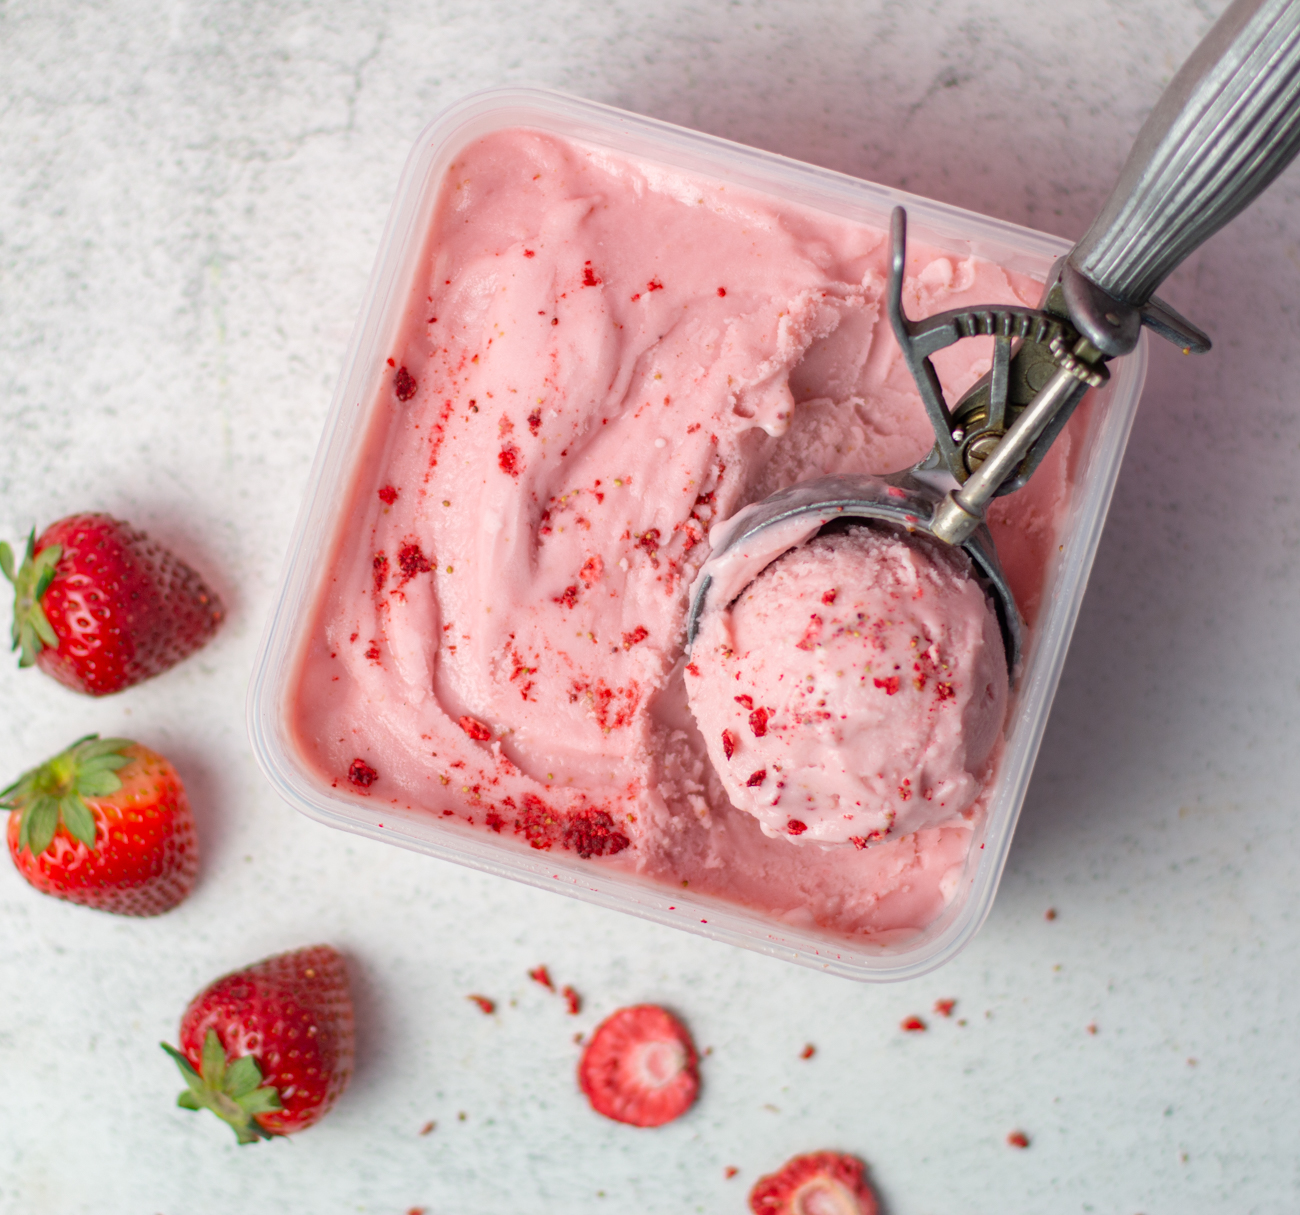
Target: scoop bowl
{"x": 757, "y": 535}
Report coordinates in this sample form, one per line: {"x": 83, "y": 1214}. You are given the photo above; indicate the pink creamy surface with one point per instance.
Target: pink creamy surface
{"x": 599, "y": 359}
{"x": 855, "y": 690}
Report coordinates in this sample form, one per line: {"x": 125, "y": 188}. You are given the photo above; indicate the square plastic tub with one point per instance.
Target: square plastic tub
{"x": 1106, "y": 427}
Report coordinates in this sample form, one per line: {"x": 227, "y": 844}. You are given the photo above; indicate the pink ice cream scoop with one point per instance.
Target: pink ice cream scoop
{"x": 855, "y": 690}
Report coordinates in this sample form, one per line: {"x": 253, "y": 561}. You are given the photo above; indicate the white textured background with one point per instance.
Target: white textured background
{"x": 191, "y": 196}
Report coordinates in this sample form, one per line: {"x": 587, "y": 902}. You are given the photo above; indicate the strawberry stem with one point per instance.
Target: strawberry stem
{"x": 232, "y": 1090}
{"x": 31, "y": 628}
{"x": 54, "y": 793}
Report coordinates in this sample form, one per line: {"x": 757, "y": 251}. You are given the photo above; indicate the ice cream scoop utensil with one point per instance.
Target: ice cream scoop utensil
{"x": 1226, "y": 126}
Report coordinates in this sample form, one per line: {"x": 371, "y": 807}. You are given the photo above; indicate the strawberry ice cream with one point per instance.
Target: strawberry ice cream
{"x": 599, "y": 359}
{"x": 855, "y": 690}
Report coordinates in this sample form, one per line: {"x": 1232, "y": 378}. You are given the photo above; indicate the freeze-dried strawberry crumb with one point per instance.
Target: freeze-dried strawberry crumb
{"x": 810, "y": 635}
{"x": 829, "y": 597}
{"x": 428, "y": 1128}
{"x": 756, "y": 778}
{"x": 412, "y": 561}
{"x": 591, "y": 570}
{"x": 728, "y": 743}
{"x": 537, "y": 823}
{"x": 820, "y": 1183}
{"x": 745, "y": 702}
{"x": 795, "y": 827}
{"x": 944, "y": 1007}
{"x": 692, "y": 669}
{"x": 592, "y": 833}
{"x": 889, "y": 683}
{"x": 654, "y": 285}
{"x": 589, "y": 278}
{"x": 913, "y": 1025}
{"x": 722, "y": 291}
{"x": 535, "y": 421}
{"x": 858, "y": 841}
{"x": 379, "y": 566}
{"x": 508, "y": 460}
{"x": 635, "y": 637}
{"x": 475, "y": 729}
{"x": 640, "y": 1067}
{"x": 943, "y": 691}
{"x": 485, "y": 1005}
{"x": 808, "y": 1051}
{"x": 758, "y": 721}
{"x": 572, "y": 1000}
{"x": 539, "y": 974}
{"x": 404, "y": 384}
{"x": 373, "y": 653}
{"x": 1018, "y": 1139}
{"x": 494, "y": 821}
{"x": 1050, "y": 914}
{"x": 362, "y": 774}
{"x": 388, "y": 495}
{"x": 569, "y": 598}
{"x": 730, "y": 1171}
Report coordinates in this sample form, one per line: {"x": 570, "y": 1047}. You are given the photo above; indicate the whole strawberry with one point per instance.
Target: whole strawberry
{"x": 269, "y": 1049}
{"x": 105, "y": 823}
{"x": 100, "y": 606}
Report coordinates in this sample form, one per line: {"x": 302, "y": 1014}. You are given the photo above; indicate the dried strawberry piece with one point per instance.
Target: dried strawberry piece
{"x": 728, "y": 743}
{"x": 362, "y": 774}
{"x": 404, "y": 385}
{"x": 820, "y": 1183}
{"x": 476, "y": 729}
{"x": 592, "y": 833}
{"x": 640, "y": 1067}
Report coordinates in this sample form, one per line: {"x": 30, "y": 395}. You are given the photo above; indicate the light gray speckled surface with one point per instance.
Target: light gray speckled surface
{"x": 190, "y": 200}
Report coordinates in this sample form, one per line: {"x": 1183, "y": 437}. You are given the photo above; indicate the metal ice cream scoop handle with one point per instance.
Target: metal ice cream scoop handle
{"x": 1226, "y": 126}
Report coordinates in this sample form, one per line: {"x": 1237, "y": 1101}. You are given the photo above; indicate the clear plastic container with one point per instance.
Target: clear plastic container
{"x": 946, "y": 228}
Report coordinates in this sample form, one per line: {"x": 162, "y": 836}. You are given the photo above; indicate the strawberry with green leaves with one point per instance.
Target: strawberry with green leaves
{"x": 100, "y": 607}
{"x": 105, "y": 823}
{"x": 269, "y": 1049}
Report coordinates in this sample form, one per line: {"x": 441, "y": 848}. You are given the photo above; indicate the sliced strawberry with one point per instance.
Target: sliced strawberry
{"x": 640, "y": 1067}
{"x": 269, "y": 1049}
{"x": 820, "y": 1183}
{"x": 106, "y": 824}
{"x": 99, "y": 606}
